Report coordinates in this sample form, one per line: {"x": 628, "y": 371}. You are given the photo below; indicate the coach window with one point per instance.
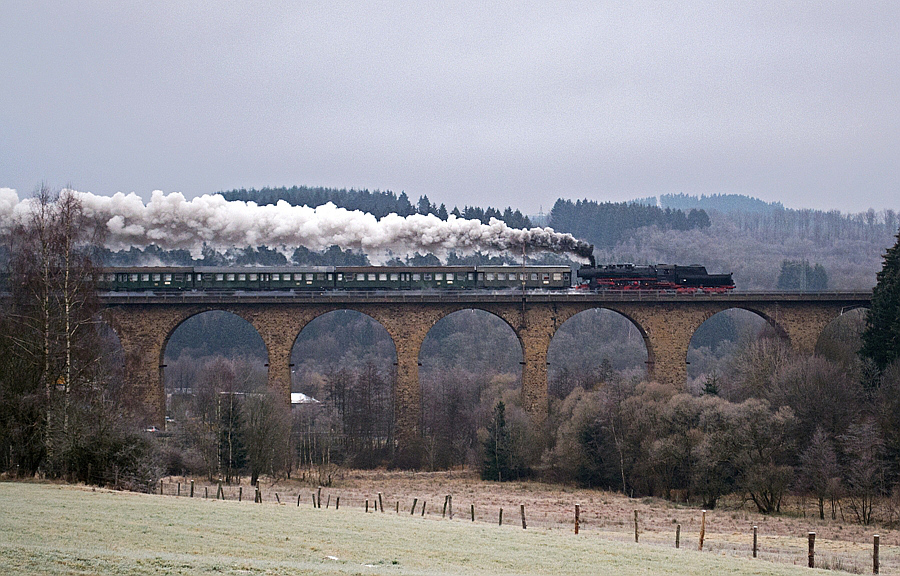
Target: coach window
{"x": 276, "y": 277}
{"x": 490, "y": 277}
{"x": 534, "y": 277}
{"x": 254, "y": 277}
{"x": 545, "y": 278}
{"x": 320, "y": 277}
{"x": 132, "y": 277}
{"x": 229, "y": 277}
{"x": 145, "y": 277}
{"x": 382, "y": 277}
{"x": 329, "y": 276}
{"x": 449, "y": 278}
{"x": 360, "y": 277}
{"x": 470, "y": 276}
{"x": 417, "y": 277}
{"x": 220, "y": 277}
{"x": 340, "y": 277}
{"x": 242, "y": 277}
{"x": 438, "y": 276}
{"x": 395, "y": 277}
{"x": 557, "y": 276}
{"x": 427, "y": 277}
{"x": 157, "y": 277}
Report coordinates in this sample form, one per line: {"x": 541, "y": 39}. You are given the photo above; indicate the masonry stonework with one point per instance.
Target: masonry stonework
{"x": 666, "y": 327}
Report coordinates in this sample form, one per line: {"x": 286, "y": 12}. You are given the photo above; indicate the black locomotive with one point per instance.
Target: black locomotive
{"x": 663, "y": 277}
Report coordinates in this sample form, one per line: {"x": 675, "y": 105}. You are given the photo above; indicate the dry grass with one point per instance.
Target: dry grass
{"x": 47, "y": 529}
{"x": 841, "y": 545}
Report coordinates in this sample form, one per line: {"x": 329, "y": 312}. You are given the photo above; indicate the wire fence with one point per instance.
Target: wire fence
{"x": 706, "y": 531}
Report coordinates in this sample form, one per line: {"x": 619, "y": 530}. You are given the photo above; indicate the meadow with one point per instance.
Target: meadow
{"x": 57, "y": 529}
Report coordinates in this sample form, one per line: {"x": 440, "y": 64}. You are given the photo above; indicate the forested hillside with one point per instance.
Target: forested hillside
{"x": 753, "y": 239}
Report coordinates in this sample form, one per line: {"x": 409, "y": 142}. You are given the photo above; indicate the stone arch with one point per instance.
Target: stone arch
{"x": 841, "y": 337}
{"x": 361, "y": 385}
{"x": 325, "y": 313}
{"x": 719, "y": 337}
{"x": 216, "y": 326}
{"x": 587, "y": 338}
{"x": 236, "y": 313}
{"x": 470, "y": 359}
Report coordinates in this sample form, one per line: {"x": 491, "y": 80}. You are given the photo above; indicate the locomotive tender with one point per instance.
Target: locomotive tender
{"x": 663, "y": 277}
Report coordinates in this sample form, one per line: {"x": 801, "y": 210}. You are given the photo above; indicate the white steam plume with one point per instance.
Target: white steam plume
{"x": 170, "y": 221}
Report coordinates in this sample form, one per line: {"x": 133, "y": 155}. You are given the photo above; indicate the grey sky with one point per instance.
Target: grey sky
{"x": 470, "y": 103}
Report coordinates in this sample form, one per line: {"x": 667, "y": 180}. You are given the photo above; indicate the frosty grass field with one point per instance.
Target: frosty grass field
{"x": 49, "y": 529}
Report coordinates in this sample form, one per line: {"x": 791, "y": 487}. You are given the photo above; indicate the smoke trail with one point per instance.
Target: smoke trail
{"x": 172, "y": 222}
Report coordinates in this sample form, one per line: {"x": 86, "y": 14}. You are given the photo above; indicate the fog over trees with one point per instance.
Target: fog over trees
{"x": 754, "y": 418}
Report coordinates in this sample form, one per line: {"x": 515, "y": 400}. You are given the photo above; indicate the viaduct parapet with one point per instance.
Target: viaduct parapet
{"x": 667, "y": 323}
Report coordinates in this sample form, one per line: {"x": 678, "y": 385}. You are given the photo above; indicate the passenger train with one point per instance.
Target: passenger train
{"x": 663, "y": 277}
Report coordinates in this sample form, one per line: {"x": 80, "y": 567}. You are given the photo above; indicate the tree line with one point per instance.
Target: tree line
{"x": 378, "y": 203}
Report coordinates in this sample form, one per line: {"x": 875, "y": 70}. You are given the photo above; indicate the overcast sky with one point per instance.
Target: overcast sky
{"x": 468, "y": 102}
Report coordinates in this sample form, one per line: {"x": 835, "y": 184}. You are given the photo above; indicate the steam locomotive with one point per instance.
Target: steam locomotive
{"x": 659, "y": 277}
{"x": 663, "y": 277}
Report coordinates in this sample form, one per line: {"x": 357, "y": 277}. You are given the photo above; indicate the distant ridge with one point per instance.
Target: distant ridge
{"x": 718, "y": 202}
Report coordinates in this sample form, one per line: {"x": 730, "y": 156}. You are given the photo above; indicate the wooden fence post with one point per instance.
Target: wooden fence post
{"x": 328, "y": 502}
{"x": 277, "y": 498}
{"x": 444, "y": 511}
{"x": 875, "y": 544}
{"x": 367, "y": 505}
{"x": 192, "y": 488}
{"x": 298, "y": 500}
{"x": 319, "y": 498}
{"x": 179, "y": 489}
{"x": 160, "y": 488}
{"x": 755, "y": 547}
{"x": 423, "y": 507}
{"x": 678, "y": 536}
{"x": 812, "y": 549}
{"x": 206, "y": 491}
{"x": 522, "y": 512}
{"x": 220, "y": 492}
{"x": 501, "y": 517}
{"x": 241, "y": 495}
{"x": 473, "y": 512}
{"x": 337, "y": 503}
{"x": 577, "y": 513}
{"x": 413, "y": 510}
{"x": 702, "y": 529}
{"x": 635, "y": 527}
{"x": 450, "y": 501}
{"x": 380, "y": 503}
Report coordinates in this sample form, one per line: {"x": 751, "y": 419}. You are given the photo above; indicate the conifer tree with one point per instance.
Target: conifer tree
{"x": 497, "y": 448}
{"x": 881, "y": 338}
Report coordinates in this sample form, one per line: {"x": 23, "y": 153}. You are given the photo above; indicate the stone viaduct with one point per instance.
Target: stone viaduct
{"x": 666, "y": 321}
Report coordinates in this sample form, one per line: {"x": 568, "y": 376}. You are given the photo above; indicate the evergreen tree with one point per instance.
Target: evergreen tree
{"x": 497, "y": 447}
{"x": 799, "y": 275}
{"x": 881, "y": 338}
